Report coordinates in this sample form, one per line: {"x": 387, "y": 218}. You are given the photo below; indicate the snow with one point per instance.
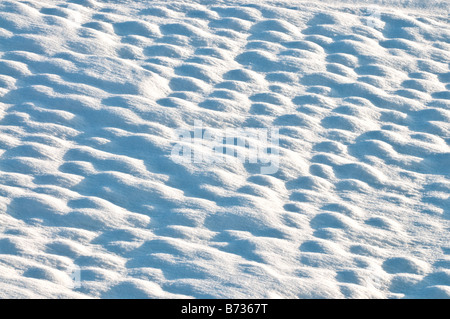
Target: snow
{"x": 95, "y": 93}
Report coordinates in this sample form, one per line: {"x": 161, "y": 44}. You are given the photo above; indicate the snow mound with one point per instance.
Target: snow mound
{"x": 93, "y": 94}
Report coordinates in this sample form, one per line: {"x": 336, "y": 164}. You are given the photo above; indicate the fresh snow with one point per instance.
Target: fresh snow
{"x": 94, "y": 95}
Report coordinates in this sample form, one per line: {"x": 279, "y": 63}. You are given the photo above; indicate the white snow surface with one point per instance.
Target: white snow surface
{"x": 92, "y": 93}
